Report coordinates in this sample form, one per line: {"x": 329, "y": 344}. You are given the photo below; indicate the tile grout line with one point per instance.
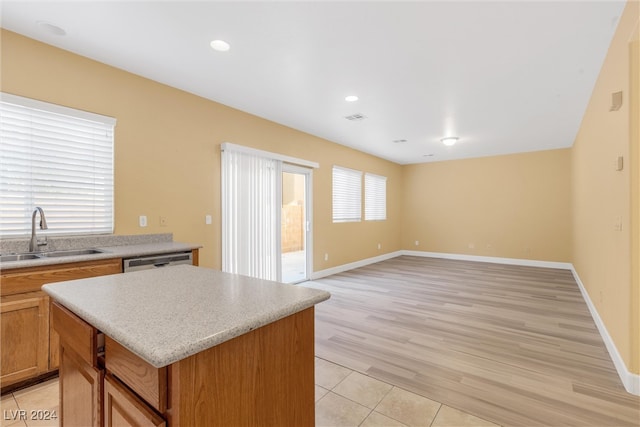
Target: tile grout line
{"x": 377, "y": 404}
{"x": 22, "y": 422}
{"x": 435, "y": 416}
{"x": 392, "y": 387}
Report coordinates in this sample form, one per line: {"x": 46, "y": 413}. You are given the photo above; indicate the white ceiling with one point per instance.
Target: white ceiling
{"x": 503, "y": 76}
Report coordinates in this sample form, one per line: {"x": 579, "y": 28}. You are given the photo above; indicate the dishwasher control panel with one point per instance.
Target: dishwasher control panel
{"x": 157, "y": 261}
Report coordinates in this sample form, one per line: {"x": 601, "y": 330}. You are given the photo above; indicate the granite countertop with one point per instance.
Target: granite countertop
{"x": 165, "y": 315}
{"x": 121, "y": 251}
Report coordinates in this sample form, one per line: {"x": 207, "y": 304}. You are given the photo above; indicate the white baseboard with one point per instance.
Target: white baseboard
{"x": 630, "y": 380}
{"x": 357, "y": 264}
{"x": 495, "y": 260}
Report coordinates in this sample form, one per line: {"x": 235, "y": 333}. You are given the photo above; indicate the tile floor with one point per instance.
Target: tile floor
{"x": 343, "y": 398}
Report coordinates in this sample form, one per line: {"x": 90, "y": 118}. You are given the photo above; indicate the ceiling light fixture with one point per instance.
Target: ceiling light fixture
{"x": 220, "y": 45}
{"x": 398, "y": 141}
{"x": 449, "y": 140}
{"x": 351, "y": 98}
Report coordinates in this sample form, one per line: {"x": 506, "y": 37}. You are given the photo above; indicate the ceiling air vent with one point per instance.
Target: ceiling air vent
{"x": 356, "y": 117}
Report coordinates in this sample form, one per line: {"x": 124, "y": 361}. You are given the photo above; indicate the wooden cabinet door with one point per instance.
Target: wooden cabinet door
{"x": 80, "y": 390}
{"x": 54, "y": 341}
{"x": 123, "y": 408}
{"x": 24, "y": 322}
{"x": 20, "y": 284}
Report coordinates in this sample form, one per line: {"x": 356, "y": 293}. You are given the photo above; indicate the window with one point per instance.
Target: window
{"x": 59, "y": 159}
{"x": 375, "y": 197}
{"x": 347, "y": 195}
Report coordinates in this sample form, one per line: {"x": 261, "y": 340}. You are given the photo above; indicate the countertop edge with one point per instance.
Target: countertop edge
{"x": 160, "y": 360}
{"x": 109, "y": 252}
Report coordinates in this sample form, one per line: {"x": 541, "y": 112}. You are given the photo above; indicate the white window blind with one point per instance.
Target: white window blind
{"x": 250, "y": 214}
{"x": 59, "y": 159}
{"x": 375, "y": 197}
{"x": 347, "y": 195}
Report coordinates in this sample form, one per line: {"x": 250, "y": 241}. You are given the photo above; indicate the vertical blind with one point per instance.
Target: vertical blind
{"x": 59, "y": 159}
{"x": 375, "y": 197}
{"x": 347, "y": 194}
{"x": 250, "y": 214}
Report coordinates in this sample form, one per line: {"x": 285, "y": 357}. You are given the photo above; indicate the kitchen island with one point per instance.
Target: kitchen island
{"x": 185, "y": 346}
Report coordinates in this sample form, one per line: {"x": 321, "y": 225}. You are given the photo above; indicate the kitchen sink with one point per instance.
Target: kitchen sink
{"x": 77, "y": 252}
{"x": 52, "y": 254}
{"x": 17, "y": 257}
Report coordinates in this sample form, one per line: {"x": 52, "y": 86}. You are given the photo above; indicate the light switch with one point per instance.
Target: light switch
{"x": 619, "y": 163}
{"x": 142, "y": 220}
{"x": 617, "y": 225}
{"x": 207, "y": 219}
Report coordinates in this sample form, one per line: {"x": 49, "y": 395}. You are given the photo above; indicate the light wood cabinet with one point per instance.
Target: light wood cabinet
{"x": 28, "y": 279}
{"x": 148, "y": 382}
{"x": 123, "y": 408}
{"x": 24, "y": 322}
{"x": 81, "y": 376}
{"x": 80, "y": 389}
{"x": 242, "y": 381}
{"x": 29, "y": 346}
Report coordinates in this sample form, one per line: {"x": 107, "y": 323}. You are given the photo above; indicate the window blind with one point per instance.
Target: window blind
{"x": 59, "y": 159}
{"x": 347, "y": 195}
{"x": 375, "y": 197}
{"x": 250, "y": 214}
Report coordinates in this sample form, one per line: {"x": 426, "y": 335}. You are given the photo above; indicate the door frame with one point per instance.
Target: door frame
{"x": 308, "y": 216}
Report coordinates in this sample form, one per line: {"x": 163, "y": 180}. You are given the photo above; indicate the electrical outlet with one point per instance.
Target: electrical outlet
{"x": 326, "y": 257}
{"x": 417, "y": 243}
{"x": 207, "y": 219}
{"x": 142, "y": 220}
{"x": 379, "y": 246}
{"x": 163, "y": 221}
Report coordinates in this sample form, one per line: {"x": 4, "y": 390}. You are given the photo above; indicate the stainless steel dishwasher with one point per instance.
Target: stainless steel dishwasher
{"x": 157, "y": 261}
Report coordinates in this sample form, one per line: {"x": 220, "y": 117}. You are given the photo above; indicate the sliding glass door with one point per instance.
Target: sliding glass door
{"x": 295, "y": 220}
{"x": 266, "y": 215}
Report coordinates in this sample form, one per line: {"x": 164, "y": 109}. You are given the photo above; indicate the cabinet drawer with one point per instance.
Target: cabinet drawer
{"x": 121, "y": 407}
{"x": 76, "y": 333}
{"x": 32, "y": 278}
{"x": 148, "y": 382}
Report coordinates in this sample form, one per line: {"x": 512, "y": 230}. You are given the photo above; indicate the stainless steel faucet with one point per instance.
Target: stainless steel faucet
{"x": 33, "y": 244}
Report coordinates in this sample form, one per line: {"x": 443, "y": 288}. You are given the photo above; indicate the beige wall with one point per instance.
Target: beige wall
{"x": 602, "y": 196}
{"x": 167, "y": 152}
{"x": 513, "y": 206}
{"x": 558, "y": 205}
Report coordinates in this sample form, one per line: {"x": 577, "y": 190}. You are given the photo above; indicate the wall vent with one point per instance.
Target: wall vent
{"x": 356, "y": 117}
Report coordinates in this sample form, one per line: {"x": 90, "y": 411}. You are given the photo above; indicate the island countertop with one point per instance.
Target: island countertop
{"x": 168, "y": 314}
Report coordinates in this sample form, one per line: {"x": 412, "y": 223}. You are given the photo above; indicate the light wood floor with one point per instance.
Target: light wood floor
{"x": 513, "y": 345}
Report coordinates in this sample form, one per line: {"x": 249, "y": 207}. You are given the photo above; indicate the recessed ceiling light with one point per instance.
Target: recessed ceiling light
{"x": 220, "y": 45}
{"x": 398, "y": 141}
{"x": 449, "y": 141}
{"x": 428, "y": 155}
{"x": 51, "y": 28}
{"x": 351, "y": 98}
